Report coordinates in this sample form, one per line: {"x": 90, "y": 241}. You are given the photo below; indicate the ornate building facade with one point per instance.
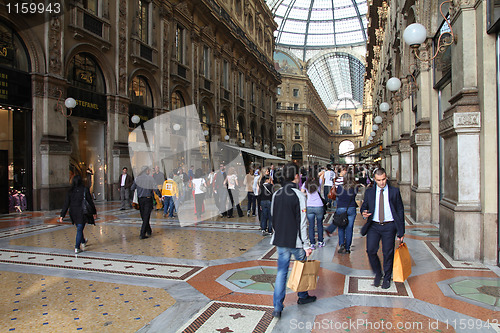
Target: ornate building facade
{"x": 440, "y": 136}
{"x": 122, "y": 58}
{"x": 301, "y": 117}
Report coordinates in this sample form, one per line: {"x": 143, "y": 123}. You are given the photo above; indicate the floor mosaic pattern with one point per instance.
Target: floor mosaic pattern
{"x": 217, "y": 275}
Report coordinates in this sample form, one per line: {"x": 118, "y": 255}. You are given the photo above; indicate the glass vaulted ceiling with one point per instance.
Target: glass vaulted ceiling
{"x": 319, "y": 23}
{"x": 306, "y": 27}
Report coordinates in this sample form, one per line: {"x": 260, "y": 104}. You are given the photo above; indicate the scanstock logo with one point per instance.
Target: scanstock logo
{"x": 176, "y": 139}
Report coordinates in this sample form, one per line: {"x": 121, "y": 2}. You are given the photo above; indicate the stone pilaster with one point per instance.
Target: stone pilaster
{"x": 404, "y": 179}
{"x": 420, "y": 197}
{"x": 394, "y": 156}
{"x": 460, "y": 232}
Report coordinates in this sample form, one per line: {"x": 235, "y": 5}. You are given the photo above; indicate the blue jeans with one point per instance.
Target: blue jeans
{"x": 284, "y": 254}
{"x": 168, "y": 205}
{"x": 326, "y": 190}
{"x": 345, "y": 234}
{"x": 315, "y": 217}
{"x": 251, "y": 203}
{"x": 79, "y": 235}
{"x": 266, "y": 222}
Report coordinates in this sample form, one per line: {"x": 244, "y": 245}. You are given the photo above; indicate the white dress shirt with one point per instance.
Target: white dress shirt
{"x": 387, "y": 207}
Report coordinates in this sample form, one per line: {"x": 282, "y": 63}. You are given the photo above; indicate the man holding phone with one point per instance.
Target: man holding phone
{"x": 383, "y": 206}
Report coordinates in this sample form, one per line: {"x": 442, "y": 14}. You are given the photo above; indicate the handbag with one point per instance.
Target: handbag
{"x": 203, "y": 188}
{"x": 86, "y": 207}
{"x": 304, "y": 275}
{"x": 135, "y": 201}
{"x": 401, "y": 267}
{"x": 341, "y": 220}
{"x": 332, "y": 195}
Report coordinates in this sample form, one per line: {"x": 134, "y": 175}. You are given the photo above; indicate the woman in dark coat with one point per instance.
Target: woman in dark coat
{"x": 74, "y": 201}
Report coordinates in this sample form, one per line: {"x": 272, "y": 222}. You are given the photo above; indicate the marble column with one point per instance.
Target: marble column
{"x": 460, "y": 231}
{"x": 420, "y": 197}
{"x": 394, "y": 171}
{"x": 404, "y": 179}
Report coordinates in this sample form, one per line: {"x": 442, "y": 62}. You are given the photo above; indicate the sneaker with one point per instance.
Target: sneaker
{"x": 77, "y": 251}
{"x": 313, "y": 246}
{"x": 341, "y": 249}
{"x": 248, "y": 213}
{"x": 277, "y": 314}
{"x": 321, "y": 244}
{"x": 263, "y": 232}
{"x": 347, "y": 251}
{"x": 84, "y": 244}
{"x": 308, "y": 299}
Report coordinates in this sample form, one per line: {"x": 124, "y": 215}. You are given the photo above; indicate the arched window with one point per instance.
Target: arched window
{"x": 204, "y": 116}
{"x": 346, "y": 124}
{"x": 296, "y": 152}
{"x": 12, "y": 50}
{"x": 240, "y": 128}
{"x": 177, "y": 100}
{"x": 280, "y": 148}
{"x": 224, "y": 124}
{"x": 140, "y": 92}
{"x": 344, "y": 147}
{"x": 85, "y": 73}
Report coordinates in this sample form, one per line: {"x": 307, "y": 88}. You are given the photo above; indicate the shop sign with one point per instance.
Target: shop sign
{"x": 89, "y": 104}
{"x": 15, "y": 88}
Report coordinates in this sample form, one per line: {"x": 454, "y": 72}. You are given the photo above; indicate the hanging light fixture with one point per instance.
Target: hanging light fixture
{"x": 415, "y": 34}
{"x": 378, "y": 120}
{"x": 226, "y": 137}
{"x": 373, "y": 133}
{"x": 384, "y": 107}
{"x": 393, "y": 84}
{"x": 375, "y": 127}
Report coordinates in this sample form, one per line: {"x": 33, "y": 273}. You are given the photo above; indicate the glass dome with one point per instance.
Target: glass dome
{"x": 319, "y": 23}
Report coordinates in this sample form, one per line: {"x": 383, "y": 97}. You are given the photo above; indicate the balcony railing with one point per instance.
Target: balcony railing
{"x": 88, "y": 26}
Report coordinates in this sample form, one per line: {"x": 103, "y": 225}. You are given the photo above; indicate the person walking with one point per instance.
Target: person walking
{"x": 315, "y": 209}
{"x": 199, "y": 188}
{"x": 232, "y": 188}
{"x": 248, "y": 183}
{"x": 266, "y": 195}
{"x": 170, "y": 194}
{"x": 125, "y": 182}
{"x": 145, "y": 185}
{"x": 220, "y": 190}
{"x": 329, "y": 178}
{"x": 74, "y": 201}
{"x": 288, "y": 210}
{"x": 346, "y": 202}
{"x": 384, "y": 209}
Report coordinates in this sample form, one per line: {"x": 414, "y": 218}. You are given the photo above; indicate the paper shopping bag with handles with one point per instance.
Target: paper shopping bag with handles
{"x": 304, "y": 275}
{"x": 401, "y": 267}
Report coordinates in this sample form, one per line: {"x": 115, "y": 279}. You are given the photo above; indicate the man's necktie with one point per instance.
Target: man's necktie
{"x": 381, "y": 213}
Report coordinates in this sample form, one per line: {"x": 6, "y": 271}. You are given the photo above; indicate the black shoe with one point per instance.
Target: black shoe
{"x": 386, "y": 284}
{"x": 341, "y": 249}
{"x": 143, "y": 237}
{"x": 377, "y": 281}
{"x": 122, "y": 208}
{"x": 148, "y": 234}
{"x": 308, "y": 299}
{"x": 277, "y": 314}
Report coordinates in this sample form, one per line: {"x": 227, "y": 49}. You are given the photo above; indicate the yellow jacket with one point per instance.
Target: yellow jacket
{"x": 169, "y": 188}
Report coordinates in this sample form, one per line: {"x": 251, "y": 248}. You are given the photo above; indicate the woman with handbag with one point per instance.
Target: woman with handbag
{"x": 81, "y": 210}
{"x": 346, "y": 204}
{"x": 199, "y": 190}
{"x": 315, "y": 209}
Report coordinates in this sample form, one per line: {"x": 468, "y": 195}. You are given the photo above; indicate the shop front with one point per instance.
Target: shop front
{"x": 16, "y": 167}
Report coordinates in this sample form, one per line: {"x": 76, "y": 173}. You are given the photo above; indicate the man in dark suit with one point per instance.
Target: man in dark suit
{"x": 125, "y": 183}
{"x": 384, "y": 209}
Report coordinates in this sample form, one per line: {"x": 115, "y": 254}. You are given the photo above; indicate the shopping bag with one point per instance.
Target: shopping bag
{"x": 304, "y": 275}
{"x": 135, "y": 201}
{"x": 401, "y": 267}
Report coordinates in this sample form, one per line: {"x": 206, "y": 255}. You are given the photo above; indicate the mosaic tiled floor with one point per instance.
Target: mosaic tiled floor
{"x": 218, "y": 275}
